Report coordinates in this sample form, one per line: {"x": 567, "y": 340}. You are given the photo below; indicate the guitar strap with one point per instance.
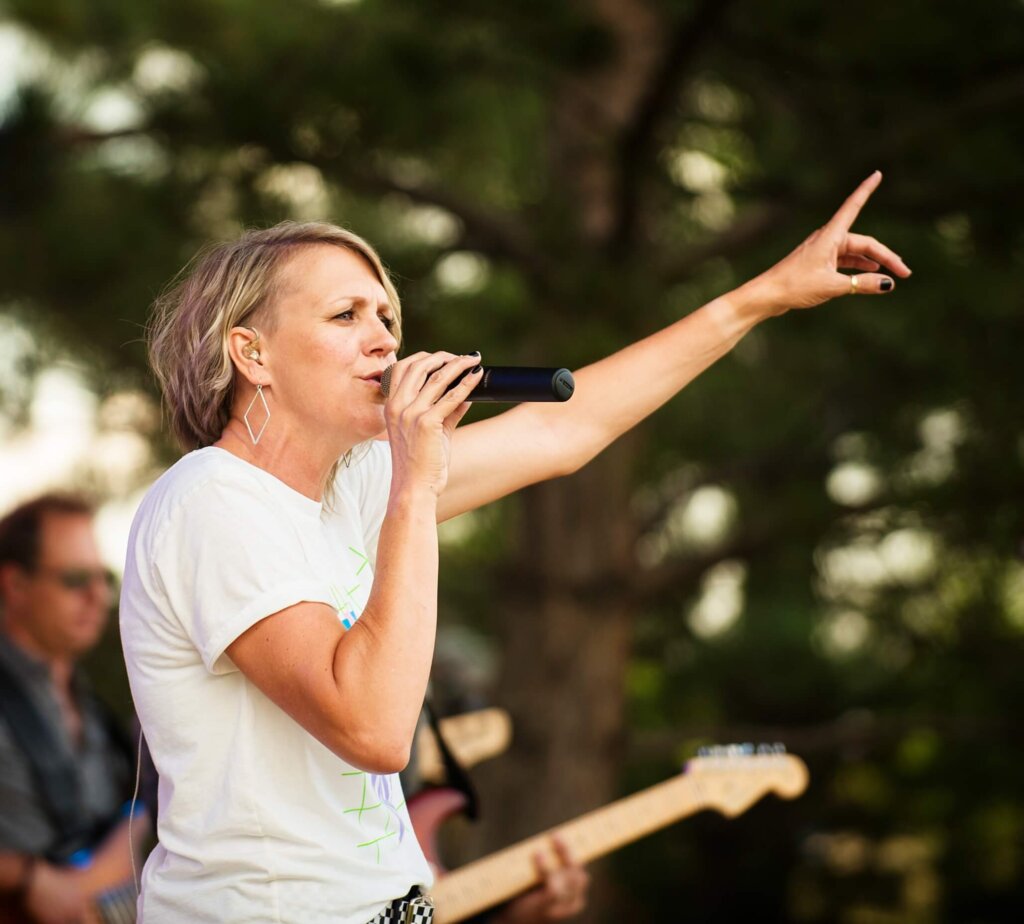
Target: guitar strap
{"x": 51, "y": 766}
{"x": 457, "y": 775}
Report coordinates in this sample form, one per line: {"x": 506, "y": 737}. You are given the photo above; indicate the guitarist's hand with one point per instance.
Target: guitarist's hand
{"x": 562, "y": 894}
{"x": 55, "y": 896}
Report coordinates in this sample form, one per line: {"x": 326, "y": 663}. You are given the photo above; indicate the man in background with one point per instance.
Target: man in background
{"x": 65, "y": 766}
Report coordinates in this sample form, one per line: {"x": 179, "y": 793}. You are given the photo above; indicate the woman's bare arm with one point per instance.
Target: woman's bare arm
{"x": 534, "y": 442}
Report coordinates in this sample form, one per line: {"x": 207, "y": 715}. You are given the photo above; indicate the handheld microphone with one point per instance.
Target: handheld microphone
{"x": 511, "y": 383}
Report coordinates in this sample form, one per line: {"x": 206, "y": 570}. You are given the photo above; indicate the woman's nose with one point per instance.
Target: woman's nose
{"x": 383, "y": 340}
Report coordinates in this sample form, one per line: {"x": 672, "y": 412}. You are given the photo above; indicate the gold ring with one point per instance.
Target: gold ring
{"x": 854, "y": 284}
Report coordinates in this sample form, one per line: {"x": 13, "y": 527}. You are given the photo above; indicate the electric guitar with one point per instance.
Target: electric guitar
{"x": 728, "y": 780}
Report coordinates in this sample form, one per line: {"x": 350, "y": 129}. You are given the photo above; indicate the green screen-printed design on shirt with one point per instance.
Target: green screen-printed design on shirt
{"x": 377, "y": 814}
{"x": 376, "y": 797}
{"x": 344, "y": 602}
{"x": 363, "y": 560}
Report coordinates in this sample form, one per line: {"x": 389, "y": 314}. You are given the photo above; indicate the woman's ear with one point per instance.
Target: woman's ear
{"x": 245, "y": 349}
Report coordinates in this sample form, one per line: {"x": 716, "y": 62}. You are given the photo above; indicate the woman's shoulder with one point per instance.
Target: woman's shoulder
{"x": 207, "y": 466}
{"x": 197, "y": 480}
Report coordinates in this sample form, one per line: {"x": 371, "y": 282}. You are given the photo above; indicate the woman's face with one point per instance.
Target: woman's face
{"x": 331, "y": 341}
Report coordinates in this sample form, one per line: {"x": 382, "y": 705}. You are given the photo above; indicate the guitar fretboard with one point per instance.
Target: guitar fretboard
{"x": 502, "y": 875}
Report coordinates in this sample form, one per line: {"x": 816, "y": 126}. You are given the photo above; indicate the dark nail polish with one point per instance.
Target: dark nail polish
{"x": 476, "y": 369}
{"x": 474, "y": 353}
{"x": 885, "y": 285}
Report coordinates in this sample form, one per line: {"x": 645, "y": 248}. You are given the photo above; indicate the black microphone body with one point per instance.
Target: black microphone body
{"x": 511, "y": 384}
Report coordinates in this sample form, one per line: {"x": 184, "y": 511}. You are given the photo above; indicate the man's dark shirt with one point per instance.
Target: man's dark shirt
{"x": 100, "y": 764}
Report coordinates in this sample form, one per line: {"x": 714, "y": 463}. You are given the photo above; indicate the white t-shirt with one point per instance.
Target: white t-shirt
{"x": 258, "y": 821}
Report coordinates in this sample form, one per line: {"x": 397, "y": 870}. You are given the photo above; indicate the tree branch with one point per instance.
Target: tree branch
{"x": 685, "y": 570}
{"x": 1004, "y": 91}
{"x": 638, "y": 139}
{"x": 497, "y": 235}
{"x": 746, "y": 231}
{"x": 492, "y": 233}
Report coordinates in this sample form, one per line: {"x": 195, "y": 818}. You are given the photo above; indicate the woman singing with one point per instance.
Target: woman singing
{"x": 280, "y": 592}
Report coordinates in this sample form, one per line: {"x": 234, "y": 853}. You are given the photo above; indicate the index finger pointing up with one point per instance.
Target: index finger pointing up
{"x": 850, "y": 209}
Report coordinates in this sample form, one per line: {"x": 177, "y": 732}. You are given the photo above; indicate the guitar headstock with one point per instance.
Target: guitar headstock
{"x": 472, "y": 737}
{"x": 733, "y": 777}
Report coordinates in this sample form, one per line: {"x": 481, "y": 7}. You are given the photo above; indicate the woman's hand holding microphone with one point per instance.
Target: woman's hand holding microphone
{"x": 421, "y": 415}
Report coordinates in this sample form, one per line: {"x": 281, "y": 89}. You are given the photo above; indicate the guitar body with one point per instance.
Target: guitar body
{"x": 428, "y": 810}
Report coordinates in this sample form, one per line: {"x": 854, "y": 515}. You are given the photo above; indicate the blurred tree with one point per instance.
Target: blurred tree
{"x": 820, "y": 542}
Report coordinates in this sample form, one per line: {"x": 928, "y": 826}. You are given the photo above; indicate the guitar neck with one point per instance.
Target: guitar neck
{"x": 502, "y": 875}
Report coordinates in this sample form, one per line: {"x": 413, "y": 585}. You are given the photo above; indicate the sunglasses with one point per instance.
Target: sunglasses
{"x": 80, "y": 578}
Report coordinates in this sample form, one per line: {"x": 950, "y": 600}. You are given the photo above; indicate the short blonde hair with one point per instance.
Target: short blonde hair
{"x": 228, "y": 285}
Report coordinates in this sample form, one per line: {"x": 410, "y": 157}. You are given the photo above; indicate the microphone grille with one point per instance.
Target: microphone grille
{"x": 385, "y": 381}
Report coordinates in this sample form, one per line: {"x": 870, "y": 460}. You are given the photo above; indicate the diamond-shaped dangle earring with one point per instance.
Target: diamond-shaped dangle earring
{"x": 255, "y": 437}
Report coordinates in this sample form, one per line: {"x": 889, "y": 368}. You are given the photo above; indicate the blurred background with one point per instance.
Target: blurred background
{"x": 820, "y": 542}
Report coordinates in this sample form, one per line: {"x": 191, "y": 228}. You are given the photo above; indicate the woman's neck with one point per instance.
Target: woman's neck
{"x": 301, "y": 465}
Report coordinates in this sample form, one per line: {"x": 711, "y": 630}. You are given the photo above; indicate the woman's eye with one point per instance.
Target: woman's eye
{"x": 345, "y": 315}
{"x": 389, "y": 323}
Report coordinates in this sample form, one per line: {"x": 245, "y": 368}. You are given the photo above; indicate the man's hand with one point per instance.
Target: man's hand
{"x": 562, "y": 894}
{"x": 54, "y": 896}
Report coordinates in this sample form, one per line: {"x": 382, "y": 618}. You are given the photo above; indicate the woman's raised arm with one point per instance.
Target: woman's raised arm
{"x": 534, "y": 442}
